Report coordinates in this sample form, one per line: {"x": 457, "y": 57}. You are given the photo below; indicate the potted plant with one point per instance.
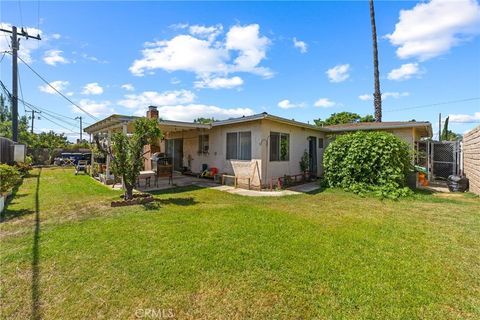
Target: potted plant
{"x": 304, "y": 164}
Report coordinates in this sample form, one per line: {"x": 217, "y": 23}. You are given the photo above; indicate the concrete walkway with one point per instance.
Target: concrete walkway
{"x": 300, "y": 189}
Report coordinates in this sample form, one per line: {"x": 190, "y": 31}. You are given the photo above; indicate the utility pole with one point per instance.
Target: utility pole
{"x": 15, "y": 48}
{"x": 33, "y": 118}
{"x": 80, "y": 118}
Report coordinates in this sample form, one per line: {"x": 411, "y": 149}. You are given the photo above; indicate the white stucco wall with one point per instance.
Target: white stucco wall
{"x": 298, "y": 144}
{"x": 259, "y": 168}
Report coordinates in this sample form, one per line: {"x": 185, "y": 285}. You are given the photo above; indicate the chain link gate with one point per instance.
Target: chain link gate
{"x": 440, "y": 158}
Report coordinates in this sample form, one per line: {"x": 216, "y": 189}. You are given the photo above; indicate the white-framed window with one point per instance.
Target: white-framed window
{"x": 203, "y": 144}
{"x": 239, "y": 145}
{"x": 279, "y": 146}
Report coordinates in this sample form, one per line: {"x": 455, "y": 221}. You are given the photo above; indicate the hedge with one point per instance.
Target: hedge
{"x": 369, "y": 161}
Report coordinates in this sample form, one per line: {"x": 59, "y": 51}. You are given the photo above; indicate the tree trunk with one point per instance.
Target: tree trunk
{"x": 377, "y": 97}
{"x": 128, "y": 195}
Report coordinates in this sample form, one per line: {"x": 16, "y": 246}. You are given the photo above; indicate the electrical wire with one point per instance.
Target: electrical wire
{"x": 55, "y": 89}
{"x": 433, "y": 104}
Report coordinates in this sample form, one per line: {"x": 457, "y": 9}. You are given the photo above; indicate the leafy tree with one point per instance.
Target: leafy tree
{"x": 51, "y": 141}
{"x": 448, "y": 135}
{"x": 127, "y": 152}
{"x": 371, "y": 161}
{"x": 343, "y": 117}
{"x": 204, "y": 120}
{"x": 9, "y": 176}
{"x": 24, "y": 136}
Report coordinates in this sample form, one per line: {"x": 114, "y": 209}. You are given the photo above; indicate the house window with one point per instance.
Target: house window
{"x": 279, "y": 146}
{"x": 320, "y": 143}
{"x": 239, "y": 145}
{"x": 203, "y": 145}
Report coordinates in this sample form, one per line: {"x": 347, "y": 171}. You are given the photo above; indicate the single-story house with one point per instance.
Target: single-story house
{"x": 261, "y": 147}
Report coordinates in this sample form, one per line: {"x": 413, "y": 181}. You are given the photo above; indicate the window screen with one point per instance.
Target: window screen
{"x": 279, "y": 146}
{"x": 239, "y": 145}
{"x": 232, "y": 145}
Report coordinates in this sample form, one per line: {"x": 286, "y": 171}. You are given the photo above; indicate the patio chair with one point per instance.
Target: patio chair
{"x": 81, "y": 166}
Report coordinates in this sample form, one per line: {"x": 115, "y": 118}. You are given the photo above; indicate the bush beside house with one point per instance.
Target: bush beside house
{"x": 9, "y": 177}
{"x": 369, "y": 161}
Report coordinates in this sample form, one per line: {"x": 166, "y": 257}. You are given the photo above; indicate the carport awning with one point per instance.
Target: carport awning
{"x": 115, "y": 121}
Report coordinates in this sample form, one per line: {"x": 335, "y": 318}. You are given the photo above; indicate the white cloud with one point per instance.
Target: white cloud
{"x": 338, "y": 73}
{"x": 97, "y": 108}
{"x": 56, "y": 36}
{"x": 385, "y": 95}
{"x": 209, "y": 33}
{"x": 199, "y": 52}
{"x": 93, "y": 58}
{"x": 300, "y": 45}
{"x": 395, "y": 95}
{"x": 251, "y": 47}
{"x": 175, "y": 81}
{"x": 365, "y": 97}
{"x": 141, "y": 101}
{"x": 324, "y": 103}
{"x": 59, "y": 85}
{"x": 52, "y": 57}
{"x": 92, "y": 88}
{"x": 190, "y": 112}
{"x": 183, "y": 52}
{"x": 287, "y": 104}
{"x": 128, "y": 87}
{"x": 27, "y": 47}
{"x": 433, "y": 28}
{"x": 463, "y": 118}
{"x": 406, "y": 71}
{"x": 219, "y": 83}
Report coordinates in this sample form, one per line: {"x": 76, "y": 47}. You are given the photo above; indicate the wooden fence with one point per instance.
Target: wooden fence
{"x": 6, "y": 150}
{"x": 471, "y": 158}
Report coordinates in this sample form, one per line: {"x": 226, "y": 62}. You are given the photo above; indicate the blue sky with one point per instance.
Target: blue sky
{"x": 300, "y": 60}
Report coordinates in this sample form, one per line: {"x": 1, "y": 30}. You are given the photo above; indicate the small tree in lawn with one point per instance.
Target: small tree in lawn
{"x": 127, "y": 152}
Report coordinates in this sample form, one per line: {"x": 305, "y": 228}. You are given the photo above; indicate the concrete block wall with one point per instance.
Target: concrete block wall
{"x": 471, "y": 159}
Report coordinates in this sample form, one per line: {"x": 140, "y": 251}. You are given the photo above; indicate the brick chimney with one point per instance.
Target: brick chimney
{"x": 152, "y": 112}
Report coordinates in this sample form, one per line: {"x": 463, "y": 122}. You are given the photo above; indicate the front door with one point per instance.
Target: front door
{"x": 312, "y": 155}
{"x": 174, "y": 148}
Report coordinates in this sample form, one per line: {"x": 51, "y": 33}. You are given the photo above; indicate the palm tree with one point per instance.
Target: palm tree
{"x": 377, "y": 97}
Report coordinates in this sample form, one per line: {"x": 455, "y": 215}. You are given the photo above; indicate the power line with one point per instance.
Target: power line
{"x": 434, "y": 104}
{"x": 64, "y": 96}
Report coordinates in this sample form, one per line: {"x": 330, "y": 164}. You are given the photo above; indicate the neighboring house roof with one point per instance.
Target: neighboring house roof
{"x": 425, "y": 127}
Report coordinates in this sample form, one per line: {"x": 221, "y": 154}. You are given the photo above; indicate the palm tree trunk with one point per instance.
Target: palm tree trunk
{"x": 377, "y": 97}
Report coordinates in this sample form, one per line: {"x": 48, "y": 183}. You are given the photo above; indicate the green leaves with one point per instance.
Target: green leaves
{"x": 9, "y": 176}
{"x": 373, "y": 162}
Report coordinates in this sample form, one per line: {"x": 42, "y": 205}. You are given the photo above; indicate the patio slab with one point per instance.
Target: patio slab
{"x": 303, "y": 188}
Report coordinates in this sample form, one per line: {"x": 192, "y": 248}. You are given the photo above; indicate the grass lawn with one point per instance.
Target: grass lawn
{"x": 201, "y": 253}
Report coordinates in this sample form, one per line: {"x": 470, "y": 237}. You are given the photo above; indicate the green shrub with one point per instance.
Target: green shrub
{"x": 9, "y": 176}
{"x": 361, "y": 162}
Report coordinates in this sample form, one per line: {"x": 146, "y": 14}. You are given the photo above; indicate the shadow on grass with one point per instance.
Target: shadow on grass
{"x": 9, "y": 214}
{"x": 175, "y": 190}
{"x": 36, "y": 313}
{"x": 157, "y": 203}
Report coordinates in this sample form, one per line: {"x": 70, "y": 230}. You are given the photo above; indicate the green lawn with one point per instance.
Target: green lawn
{"x": 200, "y": 253}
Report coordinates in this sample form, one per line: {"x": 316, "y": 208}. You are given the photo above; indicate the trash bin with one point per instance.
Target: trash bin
{"x": 457, "y": 183}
